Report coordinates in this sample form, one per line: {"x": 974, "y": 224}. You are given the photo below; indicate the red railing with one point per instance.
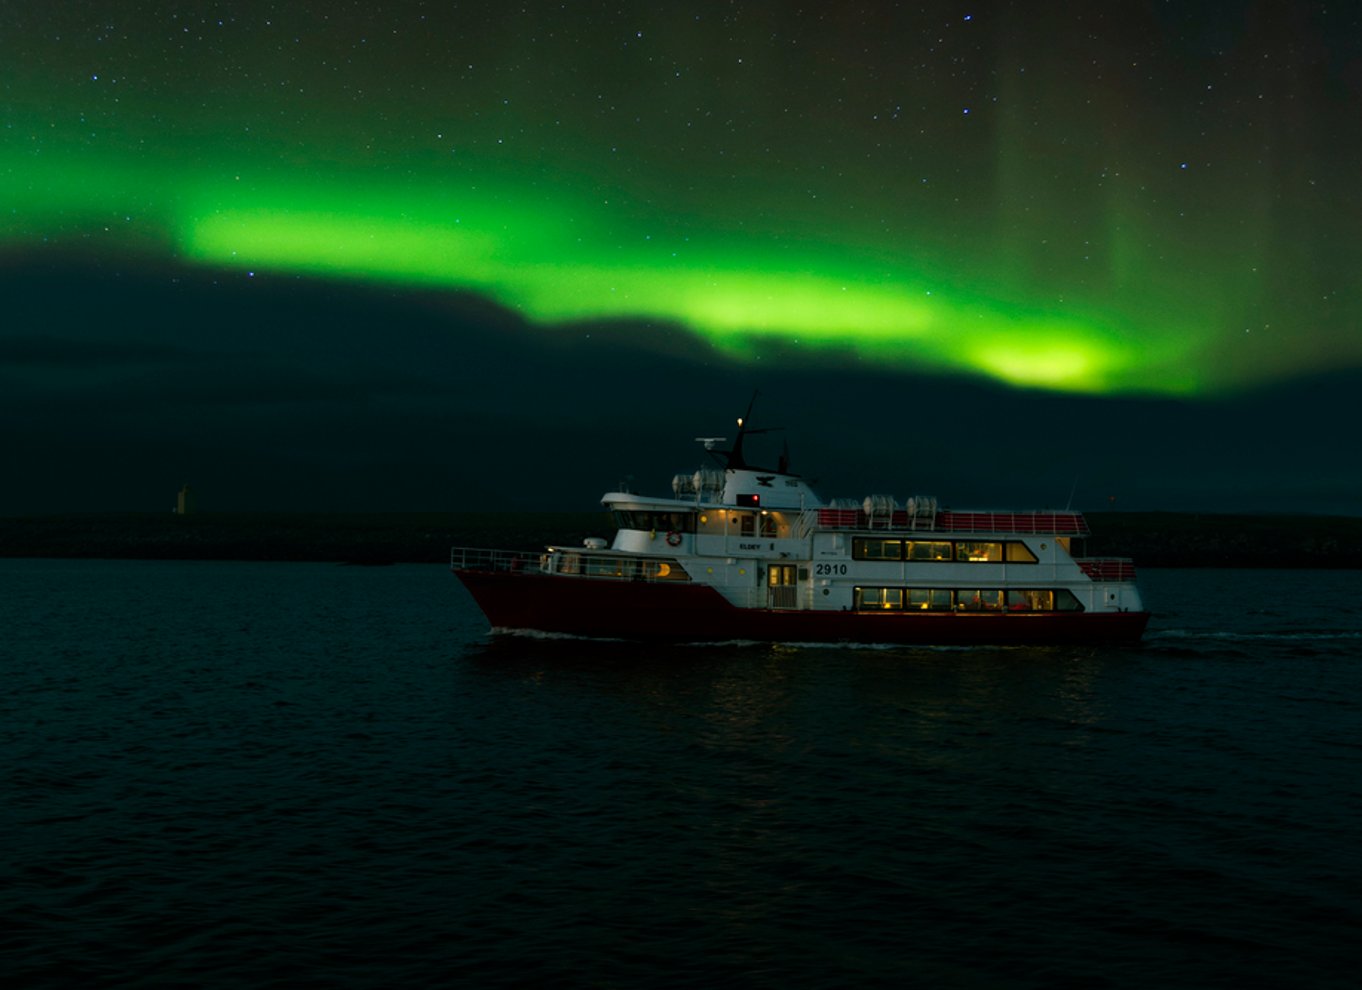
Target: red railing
{"x": 1057, "y": 523}
{"x": 1108, "y": 568}
{"x": 946, "y": 521}
{"x": 841, "y": 518}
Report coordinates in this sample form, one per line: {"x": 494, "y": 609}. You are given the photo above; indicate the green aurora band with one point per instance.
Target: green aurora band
{"x": 556, "y": 260}
{"x": 1137, "y": 201}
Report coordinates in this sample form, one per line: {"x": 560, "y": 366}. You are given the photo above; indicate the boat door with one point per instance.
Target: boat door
{"x": 780, "y": 583}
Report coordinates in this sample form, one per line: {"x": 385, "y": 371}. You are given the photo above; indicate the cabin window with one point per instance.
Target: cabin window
{"x": 929, "y": 550}
{"x": 664, "y": 570}
{"x": 1066, "y": 602}
{"x": 966, "y": 600}
{"x": 875, "y": 549}
{"x": 603, "y": 567}
{"x": 979, "y": 599}
{"x": 929, "y": 599}
{"x": 1030, "y": 600}
{"x": 978, "y": 551}
{"x": 878, "y": 599}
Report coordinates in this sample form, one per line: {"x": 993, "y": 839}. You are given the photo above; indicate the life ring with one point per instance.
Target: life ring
{"x": 673, "y": 539}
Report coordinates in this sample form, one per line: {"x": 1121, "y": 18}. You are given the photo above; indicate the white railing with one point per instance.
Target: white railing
{"x": 479, "y": 559}
{"x": 1107, "y": 568}
{"x": 569, "y": 563}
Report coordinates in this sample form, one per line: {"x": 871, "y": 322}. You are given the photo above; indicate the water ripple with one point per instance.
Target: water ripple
{"x": 269, "y": 775}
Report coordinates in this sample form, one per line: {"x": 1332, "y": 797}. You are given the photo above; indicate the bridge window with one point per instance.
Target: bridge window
{"x": 666, "y": 522}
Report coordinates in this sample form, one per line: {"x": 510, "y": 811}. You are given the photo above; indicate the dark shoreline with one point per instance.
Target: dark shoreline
{"x": 355, "y": 538}
{"x": 1153, "y": 539}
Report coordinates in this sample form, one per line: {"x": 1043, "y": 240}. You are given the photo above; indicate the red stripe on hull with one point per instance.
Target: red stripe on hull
{"x": 659, "y": 611}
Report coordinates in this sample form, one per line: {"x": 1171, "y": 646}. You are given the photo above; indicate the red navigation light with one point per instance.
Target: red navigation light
{"x": 751, "y": 501}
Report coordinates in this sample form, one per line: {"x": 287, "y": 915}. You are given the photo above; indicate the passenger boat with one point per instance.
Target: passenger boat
{"x": 740, "y": 552}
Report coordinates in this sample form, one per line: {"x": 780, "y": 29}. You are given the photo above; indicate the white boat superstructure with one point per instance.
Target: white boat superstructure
{"x": 739, "y": 551}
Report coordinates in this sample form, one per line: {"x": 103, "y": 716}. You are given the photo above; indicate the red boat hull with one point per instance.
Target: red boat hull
{"x": 696, "y": 612}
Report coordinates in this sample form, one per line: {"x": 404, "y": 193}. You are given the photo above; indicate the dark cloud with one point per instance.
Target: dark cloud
{"x": 118, "y": 385}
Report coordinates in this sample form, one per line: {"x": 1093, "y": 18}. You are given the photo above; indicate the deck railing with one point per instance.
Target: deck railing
{"x": 480, "y": 559}
{"x": 1107, "y": 568}
{"x": 947, "y": 521}
{"x": 569, "y": 563}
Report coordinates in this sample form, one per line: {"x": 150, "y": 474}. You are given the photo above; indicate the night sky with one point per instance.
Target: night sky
{"x": 439, "y": 255}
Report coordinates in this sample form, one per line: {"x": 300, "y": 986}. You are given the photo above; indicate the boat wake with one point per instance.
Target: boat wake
{"x": 1285, "y": 636}
{"x": 540, "y": 634}
{"x": 503, "y": 633}
{"x": 870, "y": 647}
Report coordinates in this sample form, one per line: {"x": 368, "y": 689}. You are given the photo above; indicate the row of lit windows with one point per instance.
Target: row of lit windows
{"x": 973, "y": 551}
{"x": 967, "y": 600}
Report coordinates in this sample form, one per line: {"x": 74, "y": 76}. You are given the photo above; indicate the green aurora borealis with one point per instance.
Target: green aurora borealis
{"x": 1088, "y": 201}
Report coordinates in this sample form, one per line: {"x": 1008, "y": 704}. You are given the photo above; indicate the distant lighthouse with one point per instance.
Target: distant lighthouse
{"x": 184, "y": 502}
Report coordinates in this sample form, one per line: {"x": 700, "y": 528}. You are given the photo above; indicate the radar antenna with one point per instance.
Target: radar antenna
{"x": 734, "y": 458}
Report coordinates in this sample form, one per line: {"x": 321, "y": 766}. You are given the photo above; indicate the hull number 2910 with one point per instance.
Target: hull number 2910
{"x": 826, "y": 570}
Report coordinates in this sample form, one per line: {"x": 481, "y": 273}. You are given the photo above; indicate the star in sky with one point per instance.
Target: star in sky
{"x": 739, "y": 173}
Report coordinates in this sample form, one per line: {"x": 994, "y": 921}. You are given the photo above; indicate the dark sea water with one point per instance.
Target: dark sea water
{"x": 304, "y": 774}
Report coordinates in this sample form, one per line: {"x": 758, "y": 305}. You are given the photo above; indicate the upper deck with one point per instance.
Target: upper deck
{"x": 742, "y": 500}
